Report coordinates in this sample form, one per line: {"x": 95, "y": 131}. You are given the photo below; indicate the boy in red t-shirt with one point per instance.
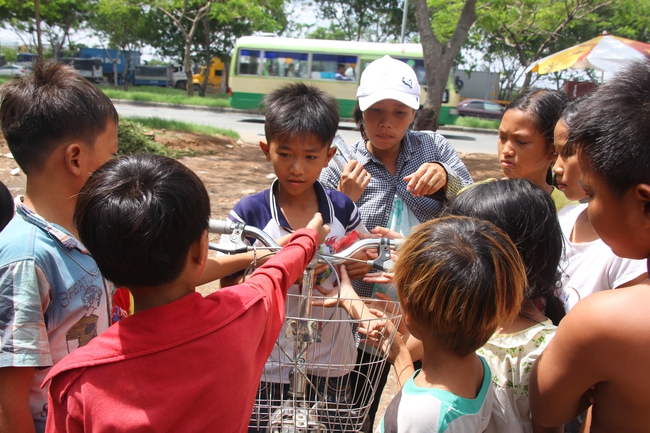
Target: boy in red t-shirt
{"x": 181, "y": 362}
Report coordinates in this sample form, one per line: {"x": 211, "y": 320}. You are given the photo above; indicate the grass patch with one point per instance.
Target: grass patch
{"x": 166, "y": 95}
{"x": 475, "y": 122}
{"x": 175, "y": 125}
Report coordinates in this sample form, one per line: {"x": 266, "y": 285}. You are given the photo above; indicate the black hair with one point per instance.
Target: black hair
{"x": 568, "y": 116}
{"x": 138, "y": 216}
{"x": 527, "y": 214}
{"x": 51, "y": 106}
{"x": 299, "y": 109}
{"x": 612, "y": 129}
{"x": 544, "y": 105}
{"x": 357, "y": 114}
{"x": 6, "y": 206}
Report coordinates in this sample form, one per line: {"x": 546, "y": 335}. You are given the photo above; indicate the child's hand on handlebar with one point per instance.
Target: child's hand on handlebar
{"x": 378, "y": 278}
{"x": 316, "y": 223}
{"x": 386, "y": 233}
{"x": 357, "y": 270}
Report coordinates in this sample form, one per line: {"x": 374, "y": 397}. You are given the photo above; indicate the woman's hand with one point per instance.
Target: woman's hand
{"x": 427, "y": 180}
{"x": 354, "y": 180}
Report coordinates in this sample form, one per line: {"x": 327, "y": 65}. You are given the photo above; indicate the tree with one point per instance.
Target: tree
{"x": 532, "y": 29}
{"x": 439, "y": 56}
{"x": 372, "y": 20}
{"x": 118, "y": 23}
{"x": 186, "y": 16}
{"x": 58, "y": 18}
{"x": 217, "y": 31}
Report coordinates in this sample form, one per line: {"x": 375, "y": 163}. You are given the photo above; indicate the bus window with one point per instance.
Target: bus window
{"x": 333, "y": 67}
{"x": 418, "y": 67}
{"x": 285, "y": 64}
{"x": 248, "y": 62}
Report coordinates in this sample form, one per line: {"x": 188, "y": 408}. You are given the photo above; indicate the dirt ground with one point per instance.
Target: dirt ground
{"x": 232, "y": 169}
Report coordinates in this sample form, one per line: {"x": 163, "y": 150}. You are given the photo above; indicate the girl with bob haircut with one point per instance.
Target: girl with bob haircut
{"x": 457, "y": 279}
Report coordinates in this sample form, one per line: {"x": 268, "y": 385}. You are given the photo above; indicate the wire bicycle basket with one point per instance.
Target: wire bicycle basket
{"x": 307, "y": 387}
{"x": 312, "y": 381}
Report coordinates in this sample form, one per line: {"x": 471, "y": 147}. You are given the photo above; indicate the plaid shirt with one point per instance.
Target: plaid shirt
{"x": 376, "y": 203}
{"x": 417, "y": 148}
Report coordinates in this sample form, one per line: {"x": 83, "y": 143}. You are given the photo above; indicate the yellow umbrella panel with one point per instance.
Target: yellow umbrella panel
{"x": 604, "y": 53}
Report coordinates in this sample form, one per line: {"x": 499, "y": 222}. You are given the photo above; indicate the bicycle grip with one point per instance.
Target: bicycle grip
{"x": 221, "y": 227}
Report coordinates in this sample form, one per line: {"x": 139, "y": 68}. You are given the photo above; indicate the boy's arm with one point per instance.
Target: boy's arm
{"x": 224, "y": 266}
{"x": 15, "y": 413}
{"x": 563, "y": 375}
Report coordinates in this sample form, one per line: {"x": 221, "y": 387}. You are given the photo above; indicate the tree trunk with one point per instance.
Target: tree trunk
{"x": 127, "y": 69}
{"x": 188, "y": 68}
{"x": 439, "y": 59}
{"x": 205, "y": 21}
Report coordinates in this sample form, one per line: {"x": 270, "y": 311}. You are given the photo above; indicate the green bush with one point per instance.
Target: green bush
{"x": 132, "y": 140}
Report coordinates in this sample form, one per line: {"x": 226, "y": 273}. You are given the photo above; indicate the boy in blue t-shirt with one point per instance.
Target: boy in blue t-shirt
{"x": 301, "y": 122}
{"x": 59, "y": 128}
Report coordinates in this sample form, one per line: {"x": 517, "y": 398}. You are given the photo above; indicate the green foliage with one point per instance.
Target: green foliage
{"x": 175, "y": 125}
{"x": 445, "y": 14}
{"x": 475, "y": 122}
{"x": 333, "y": 33}
{"x": 118, "y": 22}
{"x": 372, "y": 20}
{"x": 9, "y": 53}
{"x": 132, "y": 139}
{"x": 157, "y": 62}
{"x": 629, "y": 19}
{"x": 58, "y": 18}
{"x": 227, "y": 21}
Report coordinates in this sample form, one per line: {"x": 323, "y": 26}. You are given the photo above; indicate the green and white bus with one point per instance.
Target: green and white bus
{"x": 262, "y": 64}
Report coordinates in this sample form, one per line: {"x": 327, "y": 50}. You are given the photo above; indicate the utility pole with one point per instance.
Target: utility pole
{"x": 38, "y": 30}
{"x": 406, "y": 8}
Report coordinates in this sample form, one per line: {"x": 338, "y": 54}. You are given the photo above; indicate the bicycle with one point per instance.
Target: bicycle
{"x": 317, "y": 398}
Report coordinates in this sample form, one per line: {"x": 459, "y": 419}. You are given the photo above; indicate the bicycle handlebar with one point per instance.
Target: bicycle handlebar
{"x": 239, "y": 231}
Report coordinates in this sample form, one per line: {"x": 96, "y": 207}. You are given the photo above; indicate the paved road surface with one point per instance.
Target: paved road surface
{"x": 251, "y": 126}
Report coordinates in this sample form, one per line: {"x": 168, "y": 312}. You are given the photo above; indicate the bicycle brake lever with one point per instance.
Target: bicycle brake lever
{"x": 384, "y": 262}
{"x": 228, "y": 249}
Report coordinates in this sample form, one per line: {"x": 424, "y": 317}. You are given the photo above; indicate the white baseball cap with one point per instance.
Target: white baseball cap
{"x": 388, "y": 78}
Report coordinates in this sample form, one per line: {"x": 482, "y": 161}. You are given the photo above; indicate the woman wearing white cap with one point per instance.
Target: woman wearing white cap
{"x": 399, "y": 177}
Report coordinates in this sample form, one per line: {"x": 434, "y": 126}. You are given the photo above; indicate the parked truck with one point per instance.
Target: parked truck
{"x": 107, "y": 57}
{"x": 215, "y": 75}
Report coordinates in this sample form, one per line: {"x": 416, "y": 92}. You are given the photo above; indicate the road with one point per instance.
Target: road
{"x": 251, "y": 126}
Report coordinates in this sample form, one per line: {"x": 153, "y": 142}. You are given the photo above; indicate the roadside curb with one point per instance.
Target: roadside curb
{"x": 259, "y": 112}
{"x": 183, "y": 106}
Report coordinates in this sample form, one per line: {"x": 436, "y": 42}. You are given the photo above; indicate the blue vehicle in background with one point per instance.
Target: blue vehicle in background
{"x": 107, "y": 56}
